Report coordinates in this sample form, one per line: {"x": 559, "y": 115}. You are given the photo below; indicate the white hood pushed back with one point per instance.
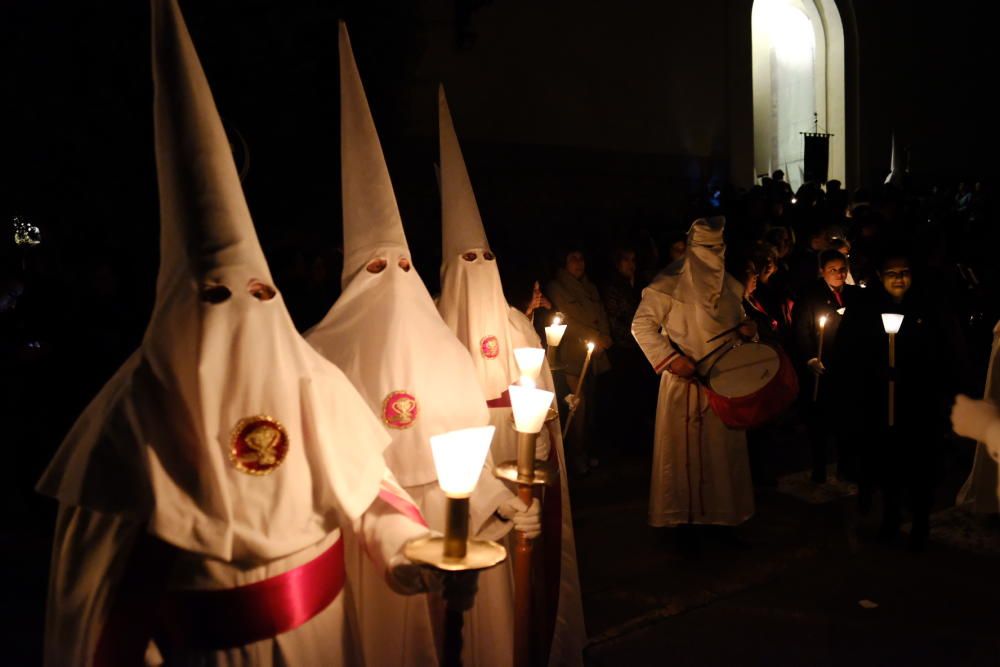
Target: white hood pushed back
{"x": 384, "y": 331}
{"x": 225, "y": 430}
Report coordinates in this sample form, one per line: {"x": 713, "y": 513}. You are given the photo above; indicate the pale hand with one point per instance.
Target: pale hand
{"x": 681, "y": 366}
{"x": 971, "y": 418}
{"x": 573, "y": 401}
{"x": 527, "y": 520}
{"x": 816, "y": 366}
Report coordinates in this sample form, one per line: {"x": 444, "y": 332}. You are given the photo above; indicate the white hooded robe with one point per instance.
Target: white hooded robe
{"x": 158, "y": 462}
{"x": 701, "y": 472}
{"x": 386, "y": 335}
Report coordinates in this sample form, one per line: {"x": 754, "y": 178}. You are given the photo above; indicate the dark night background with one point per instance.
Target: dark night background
{"x": 584, "y": 119}
{"x": 573, "y": 115}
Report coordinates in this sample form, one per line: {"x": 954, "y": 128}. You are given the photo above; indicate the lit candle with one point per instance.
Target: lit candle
{"x": 891, "y": 322}
{"x": 458, "y": 458}
{"x": 554, "y": 333}
{"x": 586, "y": 364}
{"x": 579, "y": 388}
{"x": 529, "y": 361}
{"x": 819, "y": 355}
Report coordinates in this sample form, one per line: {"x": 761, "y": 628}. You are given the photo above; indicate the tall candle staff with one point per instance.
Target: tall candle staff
{"x": 892, "y": 322}
{"x": 458, "y": 459}
{"x": 579, "y": 388}
{"x": 819, "y": 355}
{"x": 530, "y": 407}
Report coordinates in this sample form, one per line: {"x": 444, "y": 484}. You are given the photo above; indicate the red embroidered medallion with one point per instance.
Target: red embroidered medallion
{"x": 399, "y": 409}
{"x": 259, "y": 445}
{"x": 489, "y": 346}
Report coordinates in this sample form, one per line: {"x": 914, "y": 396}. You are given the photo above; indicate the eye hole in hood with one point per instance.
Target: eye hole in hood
{"x": 214, "y": 293}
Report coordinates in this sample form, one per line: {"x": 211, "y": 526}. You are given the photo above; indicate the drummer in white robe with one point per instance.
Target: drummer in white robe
{"x": 203, "y": 491}
{"x": 701, "y": 473}
{"x": 386, "y": 335}
{"x": 474, "y": 307}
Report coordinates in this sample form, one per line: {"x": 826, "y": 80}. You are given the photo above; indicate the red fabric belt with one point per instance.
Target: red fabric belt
{"x": 222, "y": 619}
{"x": 503, "y": 401}
{"x": 205, "y": 620}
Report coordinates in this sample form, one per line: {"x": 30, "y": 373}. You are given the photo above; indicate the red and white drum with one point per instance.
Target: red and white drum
{"x": 751, "y": 384}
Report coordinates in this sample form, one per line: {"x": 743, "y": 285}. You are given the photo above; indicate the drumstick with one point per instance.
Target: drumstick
{"x": 727, "y": 331}
{"x": 712, "y": 352}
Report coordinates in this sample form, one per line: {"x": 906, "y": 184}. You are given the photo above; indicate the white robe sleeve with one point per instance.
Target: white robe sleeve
{"x": 89, "y": 554}
{"x": 384, "y": 529}
{"x": 490, "y": 492}
{"x": 992, "y": 441}
{"x": 649, "y": 318}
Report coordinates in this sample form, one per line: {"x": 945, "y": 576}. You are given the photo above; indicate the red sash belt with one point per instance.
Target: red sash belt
{"x": 222, "y": 619}
{"x": 503, "y": 401}
{"x": 184, "y": 621}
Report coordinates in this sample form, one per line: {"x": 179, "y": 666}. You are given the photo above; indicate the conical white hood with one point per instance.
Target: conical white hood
{"x": 224, "y": 432}
{"x": 371, "y": 216}
{"x": 472, "y": 302}
{"x": 461, "y": 224}
{"x": 384, "y": 331}
{"x": 205, "y": 222}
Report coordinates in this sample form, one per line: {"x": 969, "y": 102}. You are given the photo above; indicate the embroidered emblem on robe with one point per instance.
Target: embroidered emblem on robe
{"x": 489, "y": 346}
{"x": 399, "y": 409}
{"x": 259, "y": 445}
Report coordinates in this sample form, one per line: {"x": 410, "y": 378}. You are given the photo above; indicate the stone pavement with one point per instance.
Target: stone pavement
{"x": 789, "y": 590}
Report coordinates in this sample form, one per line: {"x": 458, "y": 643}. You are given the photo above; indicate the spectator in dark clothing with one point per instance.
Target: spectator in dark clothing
{"x": 903, "y": 460}
{"x": 766, "y": 303}
{"x": 632, "y": 385}
{"x": 823, "y": 383}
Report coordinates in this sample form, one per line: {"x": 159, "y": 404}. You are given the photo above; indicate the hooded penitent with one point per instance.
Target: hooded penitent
{"x": 225, "y": 431}
{"x": 387, "y": 336}
{"x": 384, "y": 331}
{"x": 472, "y": 302}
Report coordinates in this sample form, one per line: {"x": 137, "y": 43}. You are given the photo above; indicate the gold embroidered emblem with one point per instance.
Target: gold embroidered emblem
{"x": 259, "y": 445}
{"x": 399, "y": 409}
{"x": 489, "y": 347}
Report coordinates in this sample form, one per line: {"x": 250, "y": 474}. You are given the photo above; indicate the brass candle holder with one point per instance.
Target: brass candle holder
{"x": 531, "y": 408}
{"x": 459, "y": 457}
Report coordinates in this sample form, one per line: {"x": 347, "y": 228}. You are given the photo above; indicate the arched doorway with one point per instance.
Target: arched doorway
{"x": 798, "y": 83}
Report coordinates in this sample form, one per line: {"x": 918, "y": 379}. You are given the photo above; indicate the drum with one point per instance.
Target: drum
{"x": 751, "y": 384}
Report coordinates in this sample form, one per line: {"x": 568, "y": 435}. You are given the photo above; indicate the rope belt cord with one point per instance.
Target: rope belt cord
{"x": 687, "y": 449}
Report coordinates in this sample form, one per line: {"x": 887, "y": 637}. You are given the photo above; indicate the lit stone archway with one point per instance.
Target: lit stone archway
{"x": 798, "y": 71}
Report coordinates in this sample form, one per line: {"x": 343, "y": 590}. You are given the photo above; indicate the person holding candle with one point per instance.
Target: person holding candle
{"x": 701, "y": 473}
{"x": 385, "y": 333}
{"x": 474, "y": 307}
{"x": 902, "y": 458}
{"x": 205, "y": 491}
{"x": 817, "y": 318}
{"x": 572, "y": 294}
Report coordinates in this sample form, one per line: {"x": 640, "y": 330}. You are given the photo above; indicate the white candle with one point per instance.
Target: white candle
{"x": 554, "y": 333}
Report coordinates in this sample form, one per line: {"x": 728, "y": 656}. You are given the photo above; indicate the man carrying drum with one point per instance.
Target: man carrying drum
{"x": 701, "y": 473}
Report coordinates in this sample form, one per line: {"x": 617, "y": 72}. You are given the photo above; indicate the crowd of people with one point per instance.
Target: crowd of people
{"x": 818, "y": 263}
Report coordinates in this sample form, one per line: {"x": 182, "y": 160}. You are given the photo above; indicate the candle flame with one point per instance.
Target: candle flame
{"x": 556, "y": 321}
{"x": 822, "y": 321}
{"x": 590, "y": 346}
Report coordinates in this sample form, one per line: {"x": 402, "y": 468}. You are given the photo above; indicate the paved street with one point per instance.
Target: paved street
{"x": 805, "y": 583}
